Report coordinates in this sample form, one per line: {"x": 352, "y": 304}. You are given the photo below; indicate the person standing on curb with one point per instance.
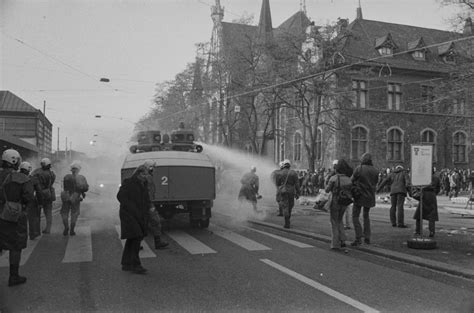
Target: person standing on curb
{"x": 288, "y": 189}
{"x": 46, "y": 178}
{"x": 364, "y": 180}
{"x": 33, "y": 211}
{"x": 75, "y": 187}
{"x": 154, "y": 221}
{"x": 134, "y": 213}
{"x": 429, "y": 205}
{"x": 337, "y": 183}
{"x": 273, "y": 178}
{"x": 398, "y": 182}
{"x": 16, "y": 191}
{"x": 249, "y": 189}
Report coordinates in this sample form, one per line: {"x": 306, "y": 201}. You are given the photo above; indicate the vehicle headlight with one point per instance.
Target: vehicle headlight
{"x": 101, "y": 185}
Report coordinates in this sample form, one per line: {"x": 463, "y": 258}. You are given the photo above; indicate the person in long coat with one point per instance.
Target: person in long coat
{"x": 365, "y": 179}
{"x": 429, "y": 205}
{"x": 288, "y": 190}
{"x": 15, "y": 187}
{"x": 249, "y": 189}
{"x": 134, "y": 205}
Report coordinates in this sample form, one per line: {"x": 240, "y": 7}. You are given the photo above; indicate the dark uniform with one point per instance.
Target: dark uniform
{"x": 286, "y": 198}
{"x": 75, "y": 186}
{"x": 46, "y": 178}
{"x": 17, "y": 187}
{"x": 249, "y": 189}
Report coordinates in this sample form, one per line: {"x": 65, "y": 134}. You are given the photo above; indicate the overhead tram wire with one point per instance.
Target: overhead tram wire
{"x": 300, "y": 79}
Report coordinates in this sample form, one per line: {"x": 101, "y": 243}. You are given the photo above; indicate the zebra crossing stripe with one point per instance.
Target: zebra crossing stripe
{"x": 79, "y": 247}
{"x": 191, "y": 244}
{"x": 289, "y": 241}
{"x": 239, "y": 240}
{"x": 25, "y": 253}
{"x": 331, "y": 292}
{"x": 146, "y": 252}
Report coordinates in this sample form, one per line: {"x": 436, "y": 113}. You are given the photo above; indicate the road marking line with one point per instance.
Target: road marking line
{"x": 239, "y": 240}
{"x": 25, "y": 253}
{"x": 289, "y": 241}
{"x": 79, "y": 247}
{"x": 146, "y": 252}
{"x": 188, "y": 242}
{"x": 320, "y": 287}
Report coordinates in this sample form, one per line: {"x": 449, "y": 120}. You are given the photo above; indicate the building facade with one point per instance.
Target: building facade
{"x": 24, "y": 127}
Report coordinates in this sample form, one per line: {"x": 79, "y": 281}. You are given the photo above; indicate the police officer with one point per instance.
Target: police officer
{"x": 75, "y": 187}
{"x": 33, "y": 211}
{"x": 273, "y": 177}
{"x": 154, "y": 222}
{"x": 46, "y": 178}
{"x": 15, "y": 189}
{"x": 288, "y": 190}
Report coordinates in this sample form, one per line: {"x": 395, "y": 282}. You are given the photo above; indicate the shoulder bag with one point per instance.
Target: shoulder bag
{"x": 283, "y": 189}
{"x": 11, "y": 210}
{"x": 344, "y": 196}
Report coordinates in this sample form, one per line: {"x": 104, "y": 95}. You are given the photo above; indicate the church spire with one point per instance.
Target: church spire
{"x": 265, "y": 28}
{"x": 359, "y": 12}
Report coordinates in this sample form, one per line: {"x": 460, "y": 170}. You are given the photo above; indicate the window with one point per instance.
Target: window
{"x": 394, "y": 145}
{"x": 459, "y": 147}
{"x": 459, "y": 106}
{"x": 297, "y": 147}
{"x": 419, "y": 55}
{"x": 359, "y": 141}
{"x": 359, "y": 89}
{"x": 319, "y": 146}
{"x": 428, "y": 137}
{"x": 385, "y": 51}
{"x": 394, "y": 96}
{"x": 427, "y": 96}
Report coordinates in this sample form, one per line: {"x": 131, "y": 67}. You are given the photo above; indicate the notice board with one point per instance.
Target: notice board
{"x": 421, "y": 164}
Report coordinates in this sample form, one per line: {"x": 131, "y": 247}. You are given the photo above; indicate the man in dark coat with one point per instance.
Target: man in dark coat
{"x": 33, "y": 211}
{"x": 16, "y": 188}
{"x": 46, "y": 178}
{"x": 273, "y": 177}
{"x": 134, "y": 205}
{"x": 398, "y": 182}
{"x": 249, "y": 189}
{"x": 288, "y": 190}
{"x": 428, "y": 205}
{"x": 365, "y": 178}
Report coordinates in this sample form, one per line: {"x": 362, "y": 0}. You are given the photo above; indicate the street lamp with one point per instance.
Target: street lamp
{"x": 104, "y": 80}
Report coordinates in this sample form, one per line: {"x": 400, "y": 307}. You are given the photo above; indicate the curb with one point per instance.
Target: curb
{"x": 402, "y": 257}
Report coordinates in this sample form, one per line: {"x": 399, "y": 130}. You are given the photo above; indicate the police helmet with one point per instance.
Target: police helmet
{"x": 149, "y": 164}
{"x": 286, "y": 163}
{"x": 76, "y": 165}
{"x": 45, "y": 162}
{"x": 26, "y": 166}
{"x": 253, "y": 168}
{"x": 11, "y": 156}
{"x": 281, "y": 164}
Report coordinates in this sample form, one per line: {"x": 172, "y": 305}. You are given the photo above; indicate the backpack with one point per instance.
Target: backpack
{"x": 343, "y": 196}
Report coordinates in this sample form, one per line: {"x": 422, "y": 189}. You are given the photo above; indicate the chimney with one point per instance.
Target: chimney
{"x": 468, "y": 27}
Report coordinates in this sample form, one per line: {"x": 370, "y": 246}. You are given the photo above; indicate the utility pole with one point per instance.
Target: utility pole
{"x": 57, "y": 147}
{"x": 44, "y": 122}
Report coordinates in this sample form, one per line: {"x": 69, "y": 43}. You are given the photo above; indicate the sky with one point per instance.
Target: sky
{"x": 54, "y": 52}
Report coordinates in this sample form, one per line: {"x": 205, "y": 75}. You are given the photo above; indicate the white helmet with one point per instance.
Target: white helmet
{"x": 26, "y": 166}
{"x": 286, "y": 163}
{"x": 45, "y": 162}
{"x": 76, "y": 165}
{"x": 281, "y": 164}
{"x": 11, "y": 156}
{"x": 149, "y": 164}
{"x": 253, "y": 168}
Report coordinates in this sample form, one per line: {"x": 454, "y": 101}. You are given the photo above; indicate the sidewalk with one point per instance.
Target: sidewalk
{"x": 455, "y": 248}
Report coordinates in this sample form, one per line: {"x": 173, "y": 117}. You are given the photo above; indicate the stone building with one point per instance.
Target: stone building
{"x": 392, "y": 86}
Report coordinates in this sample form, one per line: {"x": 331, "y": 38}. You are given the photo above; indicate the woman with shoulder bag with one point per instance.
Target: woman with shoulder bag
{"x": 340, "y": 187}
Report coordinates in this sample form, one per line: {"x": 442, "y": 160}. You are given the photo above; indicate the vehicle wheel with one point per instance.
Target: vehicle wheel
{"x": 204, "y": 223}
{"x": 421, "y": 243}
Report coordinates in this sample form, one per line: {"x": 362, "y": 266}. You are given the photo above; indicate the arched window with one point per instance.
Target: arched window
{"x": 319, "y": 146}
{"x": 359, "y": 141}
{"x": 459, "y": 147}
{"x": 394, "y": 145}
{"x": 297, "y": 147}
{"x": 428, "y": 137}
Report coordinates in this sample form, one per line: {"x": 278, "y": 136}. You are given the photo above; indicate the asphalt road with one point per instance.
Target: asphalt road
{"x": 230, "y": 267}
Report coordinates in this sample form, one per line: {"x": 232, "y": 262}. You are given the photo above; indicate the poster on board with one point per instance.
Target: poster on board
{"x": 421, "y": 163}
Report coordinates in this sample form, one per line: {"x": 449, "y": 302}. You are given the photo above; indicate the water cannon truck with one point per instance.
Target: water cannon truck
{"x": 184, "y": 177}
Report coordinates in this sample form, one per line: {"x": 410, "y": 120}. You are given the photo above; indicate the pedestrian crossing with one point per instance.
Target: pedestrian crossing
{"x": 78, "y": 248}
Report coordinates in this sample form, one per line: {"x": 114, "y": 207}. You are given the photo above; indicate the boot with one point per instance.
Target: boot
{"x": 66, "y": 226}
{"x": 160, "y": 244}
{"x": 287, "y": 222}
{"x": 72, "y": 232}
{"x": 15, "y": 278}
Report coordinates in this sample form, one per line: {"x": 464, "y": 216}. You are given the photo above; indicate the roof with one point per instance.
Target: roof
{"x": 18, "y": 142}
{"x": 13, "y": 103}
{"x": 168, "y": 158}
{"x": 361, "y": 45}
{"x": 296, "y": 24}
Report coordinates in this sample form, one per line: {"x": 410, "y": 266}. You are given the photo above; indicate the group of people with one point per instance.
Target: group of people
{"x": 24, "y": 192}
